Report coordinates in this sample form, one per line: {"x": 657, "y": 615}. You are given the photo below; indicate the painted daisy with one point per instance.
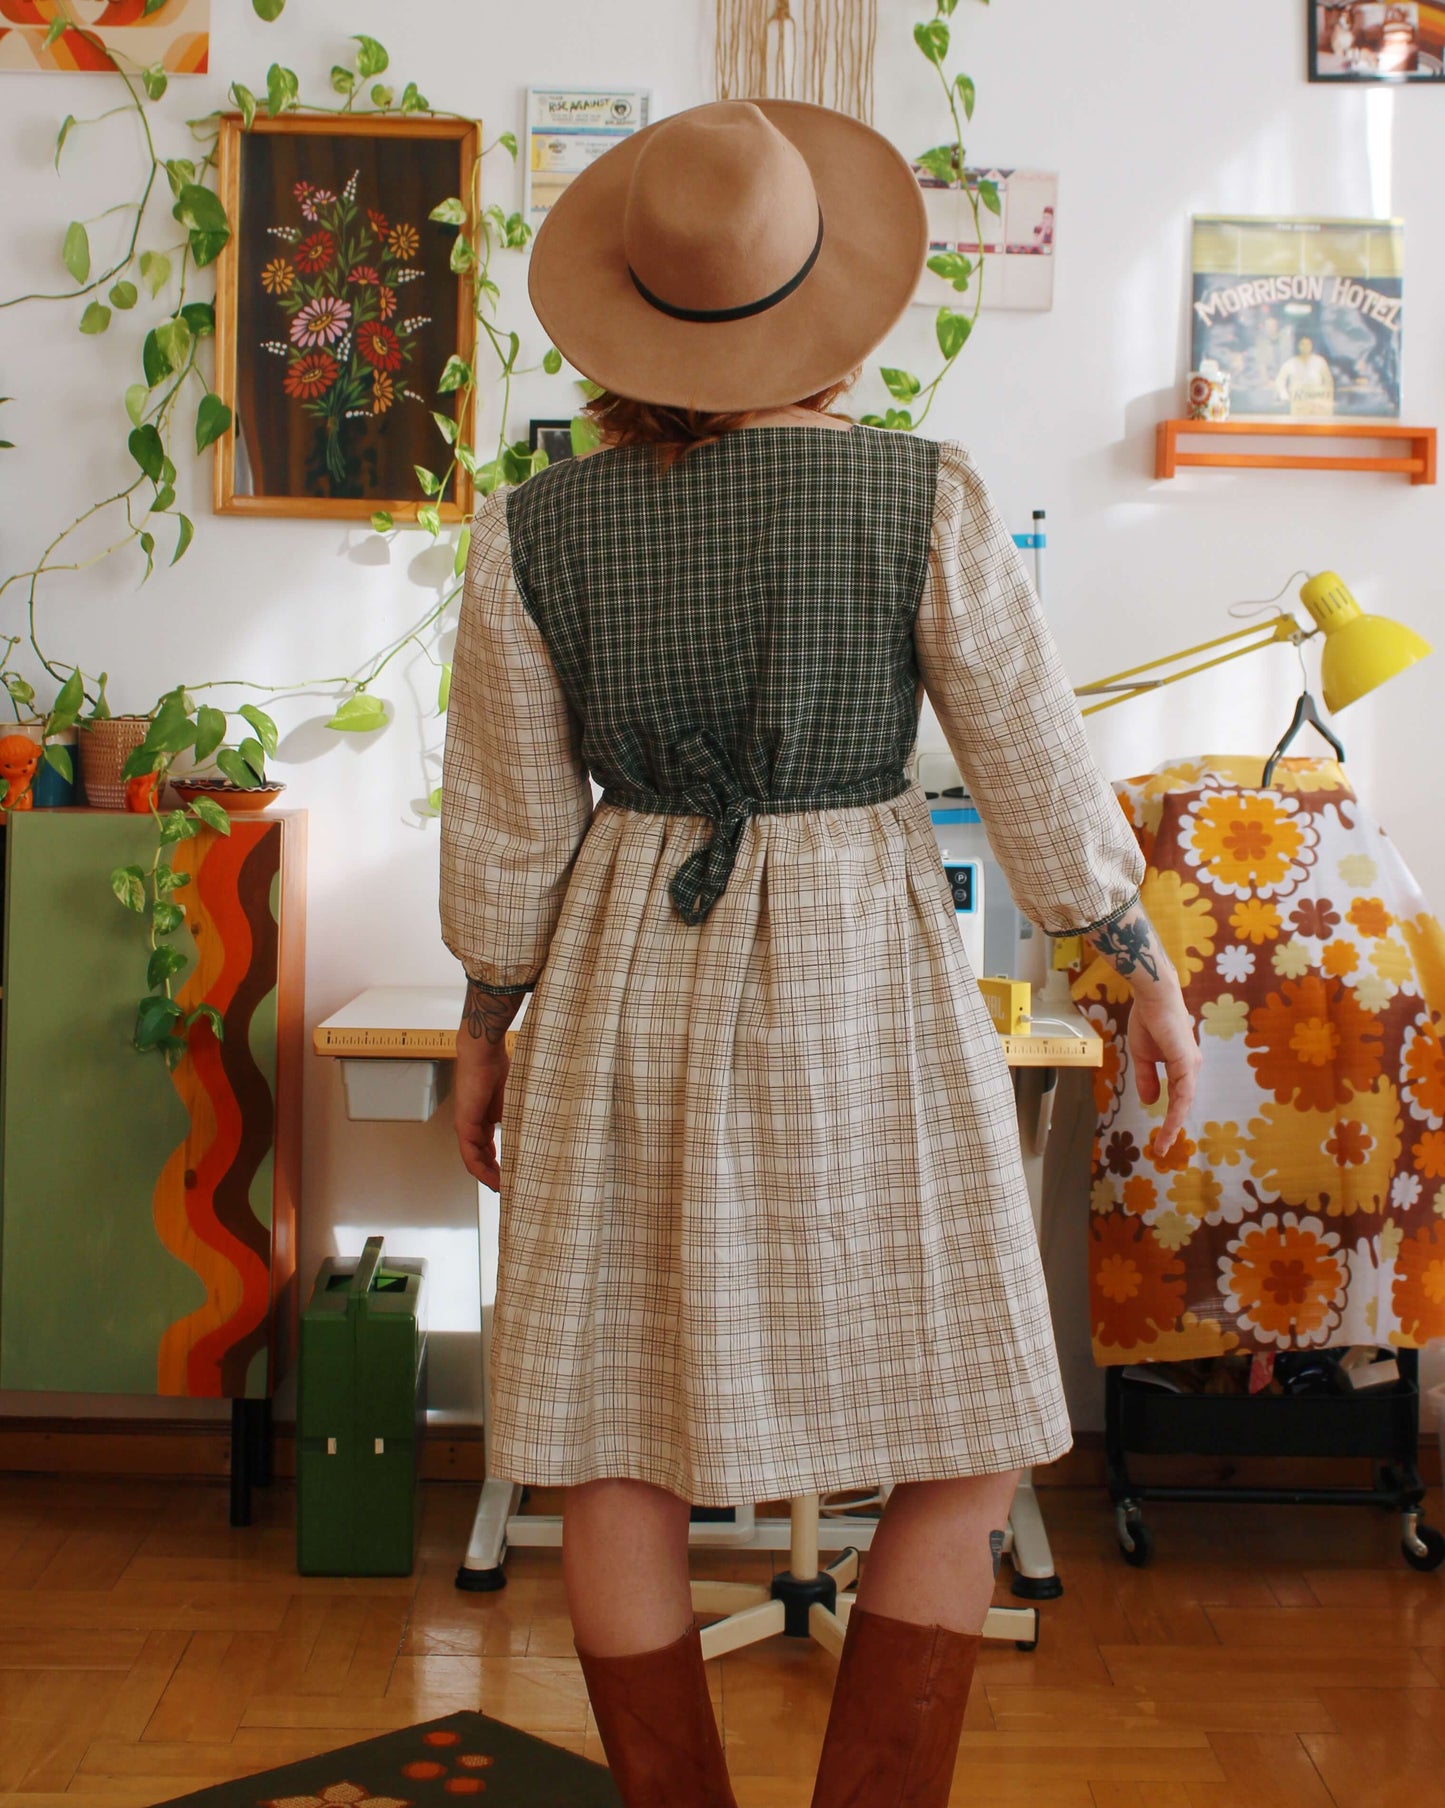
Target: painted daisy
{"x": 315, "y": 253}
{"x": 278, "y": 276}
{"x": 320, "y": 322}
{"x": 310, "y": 376}
{"x": 377, "y": 344}
{"x": 402, "y": 240}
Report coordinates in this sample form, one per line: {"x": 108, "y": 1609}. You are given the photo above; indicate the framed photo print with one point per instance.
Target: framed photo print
{"x": 552, "y": 437}
{"x": 336, "y": 311}
{"x": 1376, "y": 41}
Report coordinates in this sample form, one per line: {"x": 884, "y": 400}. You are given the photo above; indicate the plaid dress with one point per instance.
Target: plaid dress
{"x": 764, "y": 1229}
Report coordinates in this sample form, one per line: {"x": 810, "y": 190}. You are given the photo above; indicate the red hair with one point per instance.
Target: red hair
{"x": 622, "y": 421}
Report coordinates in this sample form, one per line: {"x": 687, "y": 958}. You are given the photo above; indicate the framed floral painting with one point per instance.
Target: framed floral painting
{"x": 336, "y": 312}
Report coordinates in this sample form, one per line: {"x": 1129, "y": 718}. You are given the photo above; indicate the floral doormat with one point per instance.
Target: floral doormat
{"x": 428, "y": 1766}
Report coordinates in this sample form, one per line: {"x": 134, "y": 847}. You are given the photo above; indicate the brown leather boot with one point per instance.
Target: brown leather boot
{"x": 657, "y": 1725}
{"x": 897, "y": 1714}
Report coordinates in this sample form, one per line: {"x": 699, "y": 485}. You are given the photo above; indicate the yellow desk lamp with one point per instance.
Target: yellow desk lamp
{"x": 1360, "y": 651}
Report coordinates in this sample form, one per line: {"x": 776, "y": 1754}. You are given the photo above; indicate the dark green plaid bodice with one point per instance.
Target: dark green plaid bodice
{"x": 735, "y": 634}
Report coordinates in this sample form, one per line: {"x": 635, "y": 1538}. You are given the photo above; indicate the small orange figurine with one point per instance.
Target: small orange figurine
{"x": 139, "y": 792}
{"x": 19, "y": 760}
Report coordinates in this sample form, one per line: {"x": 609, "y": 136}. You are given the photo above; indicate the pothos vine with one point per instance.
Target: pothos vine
{"x": 179, "y": 725}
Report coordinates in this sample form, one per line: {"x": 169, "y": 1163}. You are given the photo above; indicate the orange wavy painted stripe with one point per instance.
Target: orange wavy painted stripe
{"x": 236, "y": 1278}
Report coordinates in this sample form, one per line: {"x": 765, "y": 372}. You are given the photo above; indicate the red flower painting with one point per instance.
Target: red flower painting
{"x": 346, "y": 350}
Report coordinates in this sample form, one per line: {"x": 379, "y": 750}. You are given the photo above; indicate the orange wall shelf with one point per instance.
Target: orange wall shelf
{"x": 1413, "y": 448}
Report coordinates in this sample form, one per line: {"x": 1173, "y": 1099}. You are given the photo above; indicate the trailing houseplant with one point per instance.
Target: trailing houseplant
{"x": 163, "y": 275}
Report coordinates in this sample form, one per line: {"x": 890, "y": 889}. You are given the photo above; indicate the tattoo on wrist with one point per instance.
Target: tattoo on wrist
{"x": 1128, "y": 945}
{"x": 488, "y": 1014}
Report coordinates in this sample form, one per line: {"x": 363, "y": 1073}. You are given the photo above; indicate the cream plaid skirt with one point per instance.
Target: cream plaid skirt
{"x": 764, "y": 1228}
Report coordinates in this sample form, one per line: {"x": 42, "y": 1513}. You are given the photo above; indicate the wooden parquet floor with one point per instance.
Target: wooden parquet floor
{"x": 1270, "y": 1658}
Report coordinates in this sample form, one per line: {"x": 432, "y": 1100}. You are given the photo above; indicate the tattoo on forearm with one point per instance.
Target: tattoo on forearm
{"x": 1128, "y": 945}
{"x": 489, "y": 1013}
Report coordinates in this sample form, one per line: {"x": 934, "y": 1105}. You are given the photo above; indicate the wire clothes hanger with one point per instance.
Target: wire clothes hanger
{"x": 1306, "y": 715}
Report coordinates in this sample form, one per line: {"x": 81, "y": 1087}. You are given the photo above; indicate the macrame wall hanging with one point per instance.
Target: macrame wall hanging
{"x": 818, "y": 50}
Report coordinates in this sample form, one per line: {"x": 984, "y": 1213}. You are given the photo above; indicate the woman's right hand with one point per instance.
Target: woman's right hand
{"x": 479, "y": 1088}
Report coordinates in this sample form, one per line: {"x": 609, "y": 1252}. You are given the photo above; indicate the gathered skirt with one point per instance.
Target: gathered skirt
{"x": 764, "y": 1227}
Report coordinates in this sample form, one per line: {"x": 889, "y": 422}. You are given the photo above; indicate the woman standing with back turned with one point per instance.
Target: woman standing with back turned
{"x": 764, "y": 1227}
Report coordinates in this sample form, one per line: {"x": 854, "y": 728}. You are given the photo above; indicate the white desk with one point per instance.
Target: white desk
{"x": 409, "y": 1024}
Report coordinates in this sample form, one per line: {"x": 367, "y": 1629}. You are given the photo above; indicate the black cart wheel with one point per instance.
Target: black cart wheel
{"x": 1138, "y": 1551}
{"x": 1434, "y": 1553}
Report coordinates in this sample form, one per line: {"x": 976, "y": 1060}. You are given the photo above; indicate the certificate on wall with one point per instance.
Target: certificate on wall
{"x": 1018, "y": 241}
{"x": 1305, "y": 315}
{"x": 568, "y": 128}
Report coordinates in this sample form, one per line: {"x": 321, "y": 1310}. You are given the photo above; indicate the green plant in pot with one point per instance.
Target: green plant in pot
{"x": 51, "y": 735}
{"x": 179, "y": 727}
{"x": 231, "y": 775}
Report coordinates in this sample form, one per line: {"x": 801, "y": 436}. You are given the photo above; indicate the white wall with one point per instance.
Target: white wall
{"x": 1149, "y": 113}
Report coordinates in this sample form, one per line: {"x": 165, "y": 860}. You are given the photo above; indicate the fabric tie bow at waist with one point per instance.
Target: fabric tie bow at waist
{"x": 711, "y": 788}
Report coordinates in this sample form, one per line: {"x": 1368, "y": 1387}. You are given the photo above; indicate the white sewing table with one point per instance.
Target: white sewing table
{"x": 419, "y": 1023}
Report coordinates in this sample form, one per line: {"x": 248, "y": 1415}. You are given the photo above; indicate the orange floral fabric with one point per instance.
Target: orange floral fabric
{"x": 1304, "y": 1205}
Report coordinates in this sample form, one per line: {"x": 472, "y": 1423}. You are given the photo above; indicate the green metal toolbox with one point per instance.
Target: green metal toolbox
{"x": 361, "y": 1414}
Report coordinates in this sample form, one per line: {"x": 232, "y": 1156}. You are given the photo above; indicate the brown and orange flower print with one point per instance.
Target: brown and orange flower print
{"x": 346, "y": 352}
{"x": 1304, "y": 1204}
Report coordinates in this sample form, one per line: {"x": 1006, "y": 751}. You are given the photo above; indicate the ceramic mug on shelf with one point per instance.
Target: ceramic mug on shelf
{"x": 1209, "y": 393}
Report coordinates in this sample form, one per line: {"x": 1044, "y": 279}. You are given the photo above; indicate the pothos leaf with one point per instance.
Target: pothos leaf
{"x": 381, "y": 522}
{"x": 75, "y": 253}
{"x": 932, "y": 40}
{"x": 371, "y": 58}
{"x": 213, "y": 417}
{"x": 212, "y": 814}
{"x": 246, "y": 102}
{"x": 455, "y": 373}
{"x": 165, "y": 962}
{"x": 359, "y": 714}
{"x": 146, "y": 449}
{"x": 155, "y": 268}
{"x": 428, "y": 517}
{"x": 444, "y": 689}
{"x": 508, "y": 142}
{"x": 268, "y": 9}
{"x": 210, "y": 731}
{"x": 183, "y": 539}
{"x": 129, "y": 885}
{"x": 265, "y": 728}
{"x": 282, "y": 89}
{"x": 96, "y": 318}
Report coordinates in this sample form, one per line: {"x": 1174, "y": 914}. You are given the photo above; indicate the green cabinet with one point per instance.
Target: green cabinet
{"x": 148, "y": 1217}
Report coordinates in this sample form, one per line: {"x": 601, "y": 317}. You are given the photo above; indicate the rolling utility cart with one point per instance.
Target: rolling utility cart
{"x": 1380, "y": 1424}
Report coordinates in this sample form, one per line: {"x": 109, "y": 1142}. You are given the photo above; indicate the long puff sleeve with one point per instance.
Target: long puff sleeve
{"x": 516, "y": 800}
{"x": 995, "y": 679}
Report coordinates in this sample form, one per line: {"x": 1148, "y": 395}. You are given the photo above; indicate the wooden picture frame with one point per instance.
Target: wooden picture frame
{"x": 1342, "y": 30}
{"x": 553, "y": 436}
{"x": 370, "y": 349}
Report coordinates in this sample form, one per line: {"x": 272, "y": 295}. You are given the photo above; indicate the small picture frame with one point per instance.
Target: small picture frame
{"x": 552, "y": 437}
{"x": 337, "y": 310}
{"x": 1376, "y": 41}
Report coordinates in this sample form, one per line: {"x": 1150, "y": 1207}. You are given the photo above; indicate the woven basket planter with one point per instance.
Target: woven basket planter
{"x": 104, "y": 747}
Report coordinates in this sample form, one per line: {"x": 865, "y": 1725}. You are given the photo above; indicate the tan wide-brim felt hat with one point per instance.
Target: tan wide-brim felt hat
{"x": 740, "y": 255}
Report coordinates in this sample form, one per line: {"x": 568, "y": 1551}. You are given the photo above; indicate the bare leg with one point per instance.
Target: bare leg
{"x": 929, "y": 1561}
{"x": 625, "y": 1565}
